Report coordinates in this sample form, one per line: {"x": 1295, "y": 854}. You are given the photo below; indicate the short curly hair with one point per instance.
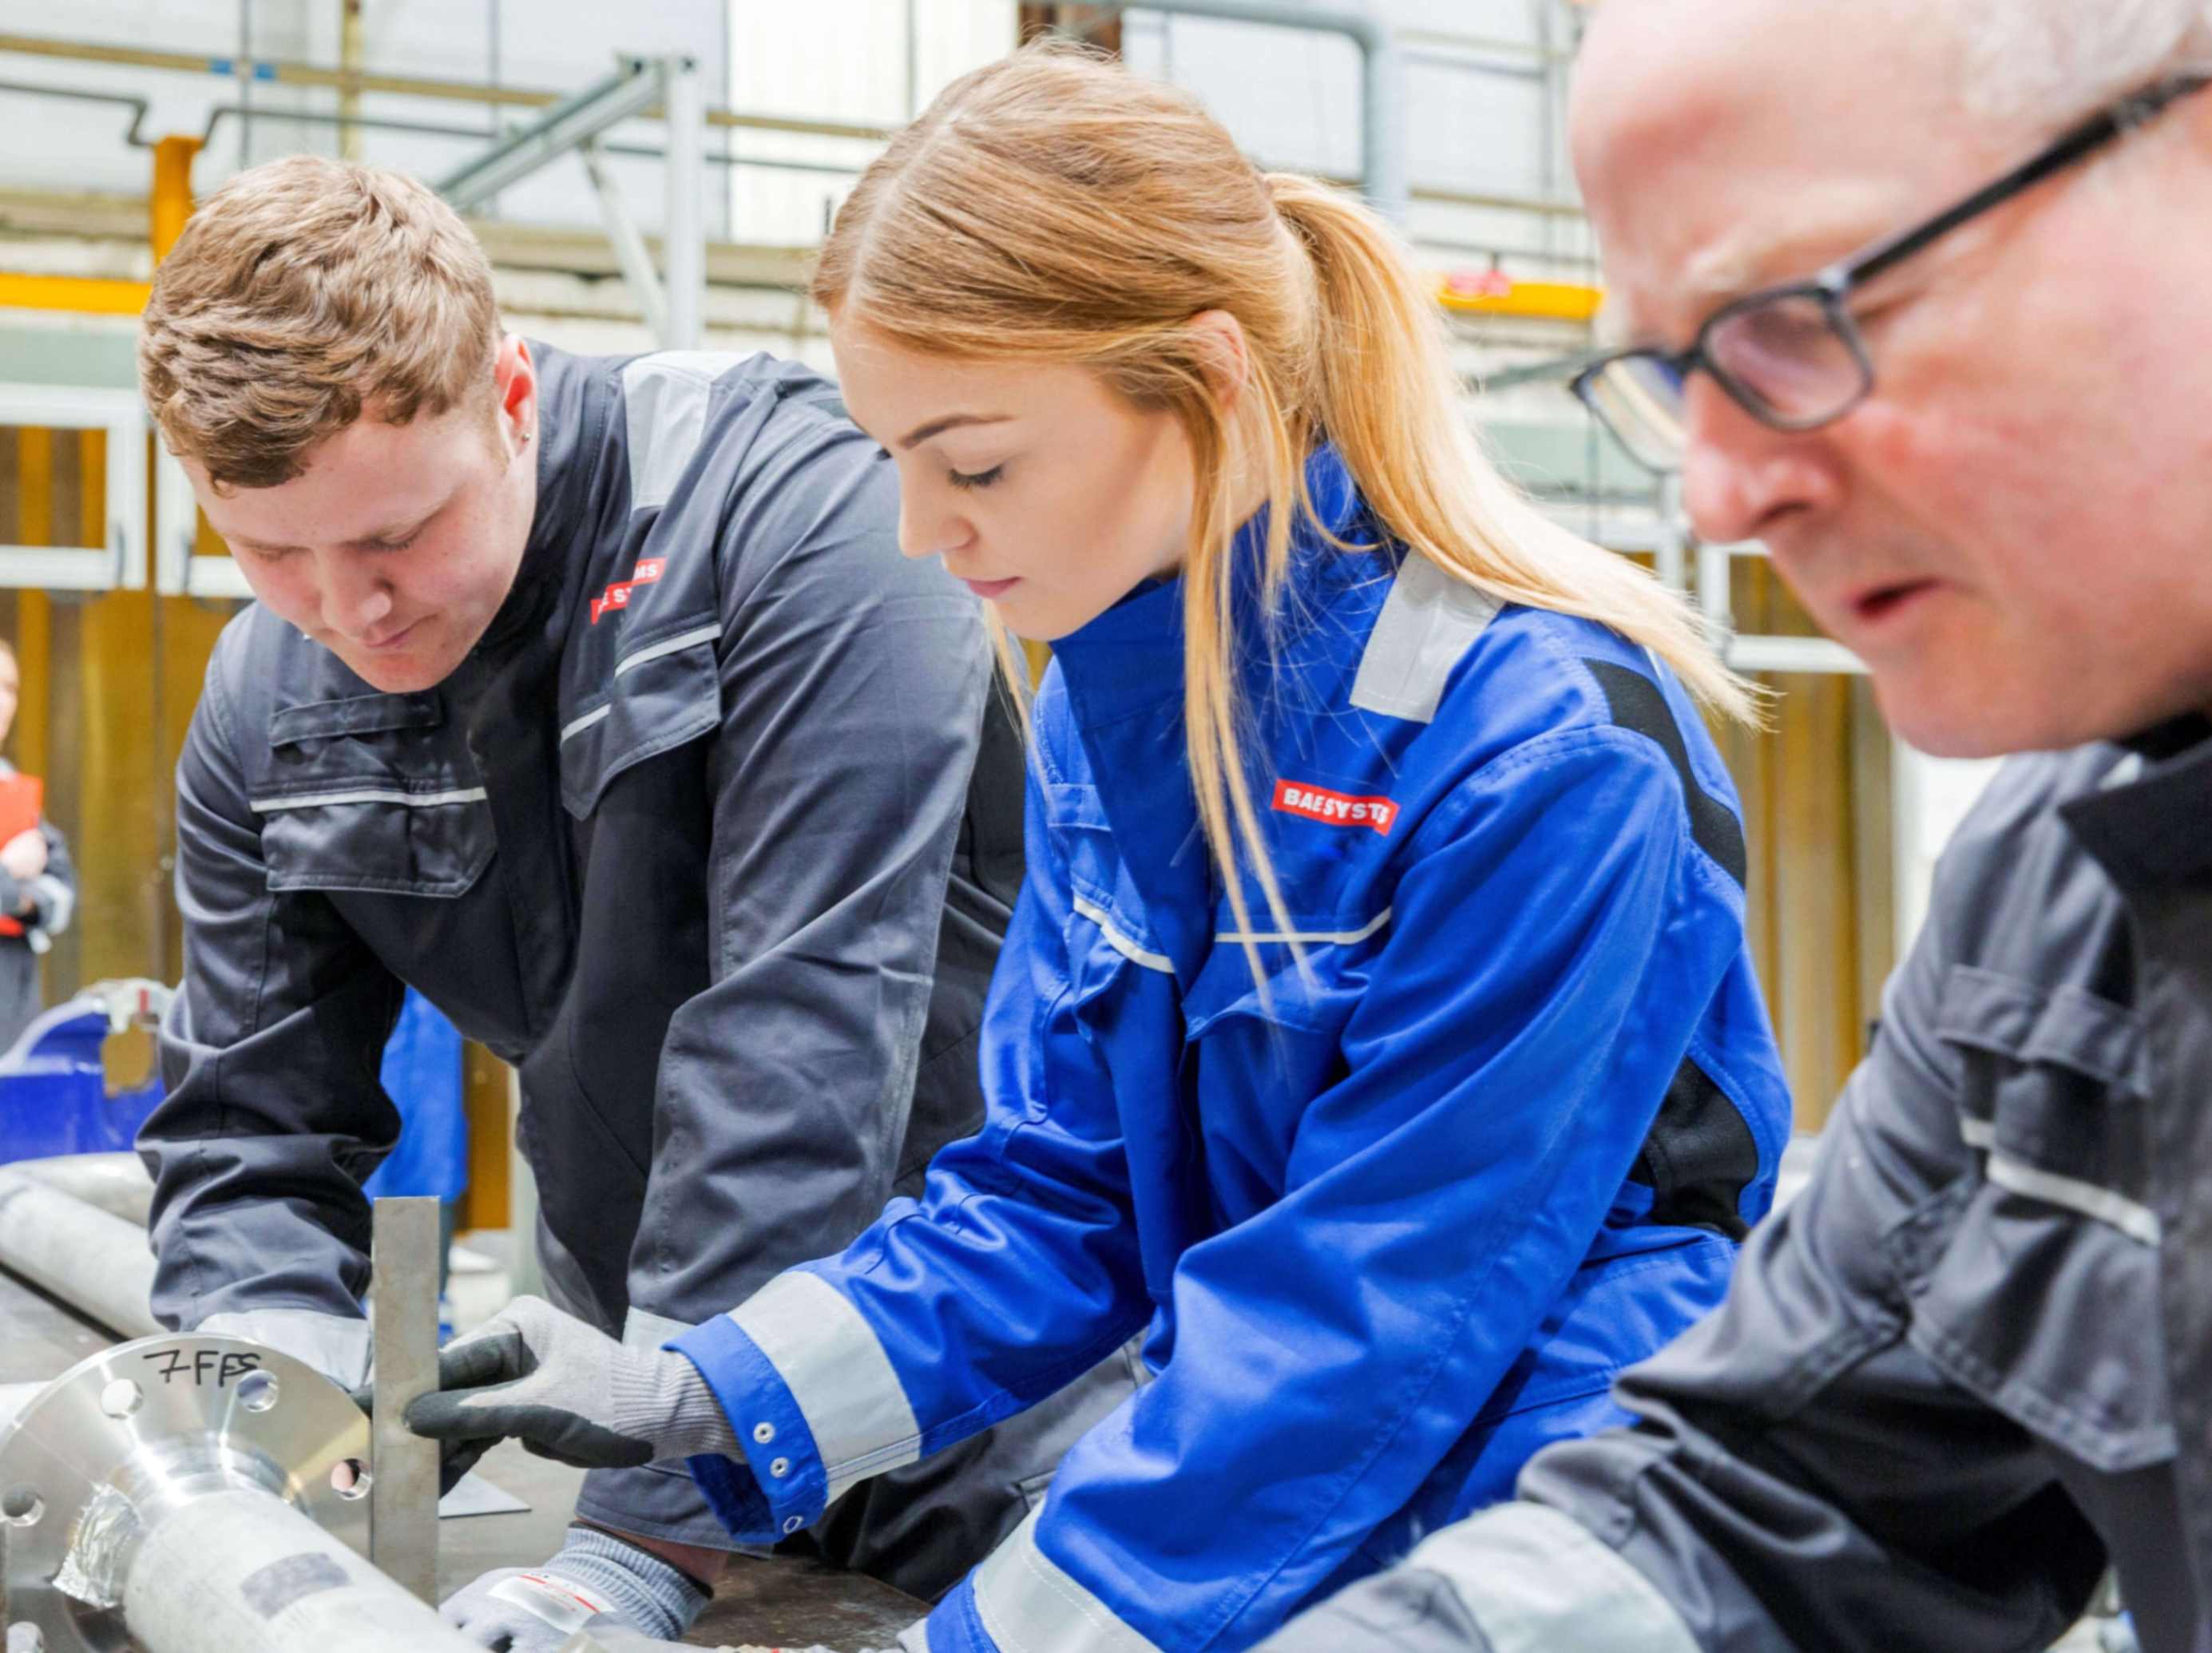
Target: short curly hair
{"x": 301, "y": 293}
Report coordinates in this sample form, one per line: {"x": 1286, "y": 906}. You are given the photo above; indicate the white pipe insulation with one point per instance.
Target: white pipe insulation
{"x": 117, "y": 1183}
{"x": 92, "y": 1259}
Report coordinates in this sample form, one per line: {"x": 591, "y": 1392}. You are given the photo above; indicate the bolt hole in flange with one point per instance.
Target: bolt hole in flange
{"x": 350, "y": 1478}
{"x": 257, "y": 1391}
{"x": 121, "y": 1398}
{"x": 21, "y": 1507}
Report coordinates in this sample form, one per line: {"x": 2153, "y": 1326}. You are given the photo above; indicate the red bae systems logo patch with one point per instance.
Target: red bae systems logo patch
{"x": 1335, "y": 808}
{"x": 617, "y": 596}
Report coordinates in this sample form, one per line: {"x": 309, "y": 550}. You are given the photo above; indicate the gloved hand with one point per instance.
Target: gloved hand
{"x": 598, "y": 1583}
{"x": 567, "y": 1392}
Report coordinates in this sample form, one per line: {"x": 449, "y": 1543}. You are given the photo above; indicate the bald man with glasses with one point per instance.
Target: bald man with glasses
{"x": 1919, "y": 294}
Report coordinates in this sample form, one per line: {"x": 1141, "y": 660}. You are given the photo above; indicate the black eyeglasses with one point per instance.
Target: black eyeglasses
{"x": 1791, "y": 356}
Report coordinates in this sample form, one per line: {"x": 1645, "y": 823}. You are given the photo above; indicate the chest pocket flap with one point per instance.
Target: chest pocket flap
{"x": 373, "y": 793}
{"x": 663, "y": 691}
{"x": 1318, "y": 999}
{"x": 2053, "y": 1235}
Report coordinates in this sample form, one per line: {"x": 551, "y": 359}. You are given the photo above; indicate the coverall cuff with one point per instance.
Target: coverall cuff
{"x": 781, "y": 1485}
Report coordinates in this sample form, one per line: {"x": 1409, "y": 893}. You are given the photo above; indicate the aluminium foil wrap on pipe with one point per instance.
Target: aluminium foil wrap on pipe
{"x": 89, "y": 1258}
{"x": 245, "y": 1572}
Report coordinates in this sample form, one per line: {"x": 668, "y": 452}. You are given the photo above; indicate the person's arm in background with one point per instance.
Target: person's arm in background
{"x": 52, "y": 892}
{"x": 38, "y": 885}
{"x": 1801, "y": 1474}
{"x": 274, "y": 1114}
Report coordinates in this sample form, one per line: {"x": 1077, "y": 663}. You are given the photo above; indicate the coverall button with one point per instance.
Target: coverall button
{"x": 763, "y": 1433}
{"x": 780, "y": 1468}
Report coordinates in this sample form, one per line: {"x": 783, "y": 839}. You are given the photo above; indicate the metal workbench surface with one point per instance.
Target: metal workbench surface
{"x": 774, "y": 1600}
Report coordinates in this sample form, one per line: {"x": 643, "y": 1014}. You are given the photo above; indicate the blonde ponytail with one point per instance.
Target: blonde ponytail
{"x": 1387, "y": 399}
{"x": 1054, "y": 208}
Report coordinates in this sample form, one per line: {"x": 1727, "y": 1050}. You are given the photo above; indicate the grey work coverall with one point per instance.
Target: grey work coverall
{"x": 1973, "y": 1360}
{"x": 713, "y": 835}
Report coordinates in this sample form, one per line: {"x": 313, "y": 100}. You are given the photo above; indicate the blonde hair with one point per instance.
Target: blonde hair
{"x": 1054, "y": 207}
{"x": 300, "y": 293}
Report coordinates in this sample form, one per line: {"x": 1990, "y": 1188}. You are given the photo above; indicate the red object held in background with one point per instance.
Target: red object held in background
{"x": 23, "y": 802}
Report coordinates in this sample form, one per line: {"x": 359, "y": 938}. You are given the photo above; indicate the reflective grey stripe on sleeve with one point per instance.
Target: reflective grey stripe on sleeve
{"x": 1538, "y": 1581}
{"x": 664, "y": 407}
{"x": 1029, "y": 1604}
{"x": 2135, "y": 1220}
{"x": 845, "y": 1385}
{"x": 682, "y": 640}
{"x": 1120, "y": 943}
{"x": 651, "y": 652}
{"x": 371, "y": 795}
{"x": 1428, "y": 621}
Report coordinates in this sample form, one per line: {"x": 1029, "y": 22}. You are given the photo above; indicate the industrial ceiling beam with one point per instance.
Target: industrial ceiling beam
{"x": 575, "y": 120}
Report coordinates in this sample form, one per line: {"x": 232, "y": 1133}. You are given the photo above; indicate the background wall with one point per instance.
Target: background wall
{"x": 1842, "y": 825}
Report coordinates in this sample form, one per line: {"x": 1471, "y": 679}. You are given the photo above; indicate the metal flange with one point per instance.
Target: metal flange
{"x": 111, "y": 1446}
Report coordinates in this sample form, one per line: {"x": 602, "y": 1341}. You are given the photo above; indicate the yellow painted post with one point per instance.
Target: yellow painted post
{"x": 171, "y": 200}
{"x": 34, "y": 612}
{"x": 97, "y": 295}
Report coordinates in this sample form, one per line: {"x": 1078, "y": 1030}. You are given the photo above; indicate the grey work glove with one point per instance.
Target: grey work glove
{"x": 569, "y": 1392}
{"x": 597, "y": 1583}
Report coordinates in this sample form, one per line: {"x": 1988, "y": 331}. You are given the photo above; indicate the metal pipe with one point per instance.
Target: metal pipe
{"x": 179, "y": 1494}
{"x": 349, "y": 56}
{"x": 629, "y": 245}
{"x": 434, "y": 128}
{"x": 1817, "y": 656}
{"x": 629, "y": 91}
{"x": 1716, "y": 593}
{"x": 683, "y": 228}
{"x": 1383, "y": 91}
{"x": 89, "y": 1258}
{"x": 1383, "y": 71}
{"x": 137, "y": 107}
{"x": 116, "y": 1183}
{"x": 286, "y": 73}
{"x": 243, "y": 1571}
{"x": 1447, "y": 38}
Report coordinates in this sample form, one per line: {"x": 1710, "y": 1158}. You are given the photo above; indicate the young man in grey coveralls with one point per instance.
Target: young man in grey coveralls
{"x": 1972, "y": 1363}
{"x": 591, "y": 697}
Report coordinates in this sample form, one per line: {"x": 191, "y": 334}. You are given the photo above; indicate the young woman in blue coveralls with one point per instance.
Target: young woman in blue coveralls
{"x": 1376, "y": 1032}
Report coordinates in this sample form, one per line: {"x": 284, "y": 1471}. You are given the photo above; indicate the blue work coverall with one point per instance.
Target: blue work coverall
{"x": 1393, "y": 1222}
